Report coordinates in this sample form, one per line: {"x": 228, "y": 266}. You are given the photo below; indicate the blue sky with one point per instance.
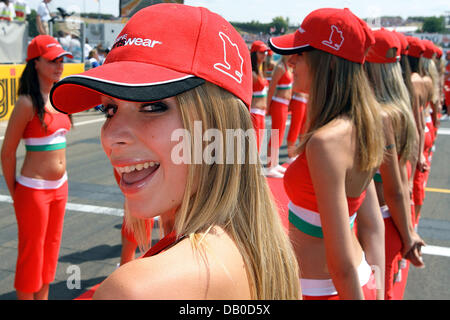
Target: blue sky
{"x": 265, "y": 10}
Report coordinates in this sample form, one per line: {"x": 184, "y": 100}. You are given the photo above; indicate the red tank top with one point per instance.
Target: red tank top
{"x": 54, "y": 122}
{"x": 163, "y": 244}
{"x": 300, "y": 190}
{"x": 286, "y": 79}
{"x": 260, "y": 87}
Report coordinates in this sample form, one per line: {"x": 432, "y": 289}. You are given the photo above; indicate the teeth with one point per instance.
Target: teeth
{"x": 138, "y": 167}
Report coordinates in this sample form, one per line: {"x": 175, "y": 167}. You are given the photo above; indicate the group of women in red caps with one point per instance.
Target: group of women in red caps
{"x": 350, "y": 84}
{"x": 365, "y": 104}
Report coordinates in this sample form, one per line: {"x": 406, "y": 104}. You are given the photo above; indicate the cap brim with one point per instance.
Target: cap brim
{"x": 55, "y": 54}
{"x": 124, "y": 80}
{"x": 289, "y": 44}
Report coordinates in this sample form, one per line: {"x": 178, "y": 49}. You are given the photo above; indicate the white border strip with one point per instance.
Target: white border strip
{"x": 129, "y": 84}
{"x": 291, "y": 48}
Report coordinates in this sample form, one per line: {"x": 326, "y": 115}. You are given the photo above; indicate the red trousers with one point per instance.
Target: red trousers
{"x": 279, "y": 113}
{"x": 40, "y": 220}
{"x": 393, "y": 247}
{"x": 298, "y": 119}
{"x": 400, "y": 286}
{"x": 259, "y": 125}
{"x": 420, "y": 178}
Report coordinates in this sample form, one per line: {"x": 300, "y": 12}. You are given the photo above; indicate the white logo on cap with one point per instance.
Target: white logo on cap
{"x": 225, "y": 67}
{"x": 54, "y": 45}
{"x": 336, "y": 39}
{"x": 125, "y": 41}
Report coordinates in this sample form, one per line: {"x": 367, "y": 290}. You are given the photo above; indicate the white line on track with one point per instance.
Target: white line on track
{"x": 444, "y": 131}
{"x": 436, "y": 251}
{"x": 431, "y": 250}
{"x": 82, "y": 208}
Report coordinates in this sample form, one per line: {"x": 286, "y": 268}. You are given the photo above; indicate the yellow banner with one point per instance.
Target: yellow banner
{"x": 9, "y": 84}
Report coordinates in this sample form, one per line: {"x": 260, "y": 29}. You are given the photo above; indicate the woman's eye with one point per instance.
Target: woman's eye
{"x": 108, "y": 110}
{"x": 154, "y": 107}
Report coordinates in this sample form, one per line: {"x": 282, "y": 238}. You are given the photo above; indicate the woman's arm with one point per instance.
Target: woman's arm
{"x": 421, "y": 163}
{"x": 39, "y": 24}
{"x": 327, "y": 166}
{"x": 277, "y": 73}
{"x": 21, "y": 114}
{"x": 395, "y": 195}
{"x": 371, "y": 236}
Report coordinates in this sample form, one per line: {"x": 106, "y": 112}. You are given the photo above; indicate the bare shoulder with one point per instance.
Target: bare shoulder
{"x": 213, "y": 271}
{"x": 428, "y": 82}
{"x": 24, "y": 101}
{"x": 333, "y": 143}
{"x": 335, "y": 133}
{"x": 416, "y": 78}
{"x": 24, "y": 107}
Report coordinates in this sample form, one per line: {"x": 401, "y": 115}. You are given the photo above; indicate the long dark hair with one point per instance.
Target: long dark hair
{"x": 254, "y": 59}
{"x": 29, "y": 86}
{"x": 414, "y": 64}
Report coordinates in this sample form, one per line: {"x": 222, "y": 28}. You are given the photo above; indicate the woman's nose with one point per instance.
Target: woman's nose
{"x": 292, "y": 60}
{"x": 116, "y": 131}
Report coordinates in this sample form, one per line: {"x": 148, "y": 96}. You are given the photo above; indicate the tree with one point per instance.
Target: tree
{"x": 279, "y": 25}
{"x": 433, "y": 25}
{"x": 32, "y": 28}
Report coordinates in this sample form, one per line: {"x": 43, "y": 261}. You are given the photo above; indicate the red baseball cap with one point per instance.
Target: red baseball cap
{"x": 336, "y": 31}
{"x": 384, "y": 41}
{"x": 438, "y": 52}
{"x": 161, "y": 53}
{"x": 259, "y": 46}
{"x": 429, "y": 49}
{"x": 47, "y": 47}
{"x": 416, "y": 47}
{"x": 403, "y": 41}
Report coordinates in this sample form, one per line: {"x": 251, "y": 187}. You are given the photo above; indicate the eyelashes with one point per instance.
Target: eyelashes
{"x": 109, "y": 110}
{"x": 154, "y": 107}
{"x": 157, "y": 106}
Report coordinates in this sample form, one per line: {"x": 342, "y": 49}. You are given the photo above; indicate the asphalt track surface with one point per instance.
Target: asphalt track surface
{"x": 91, "y": 242}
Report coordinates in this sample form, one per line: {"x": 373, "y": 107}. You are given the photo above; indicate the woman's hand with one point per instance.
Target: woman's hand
{"x": 412, "y": 250}
{"x": 422, "y": 164}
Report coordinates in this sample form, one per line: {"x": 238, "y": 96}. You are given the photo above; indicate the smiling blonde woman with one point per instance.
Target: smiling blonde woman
{"x": 225, "y": 239}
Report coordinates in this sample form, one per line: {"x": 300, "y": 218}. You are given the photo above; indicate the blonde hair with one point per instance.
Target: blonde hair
{"x": 92, "y": 53}
{"x": 340, "y": 87}
{"x": 392, "y": 94}
{"x": 235, "y": 197}
{"x": 427, "y": 67}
